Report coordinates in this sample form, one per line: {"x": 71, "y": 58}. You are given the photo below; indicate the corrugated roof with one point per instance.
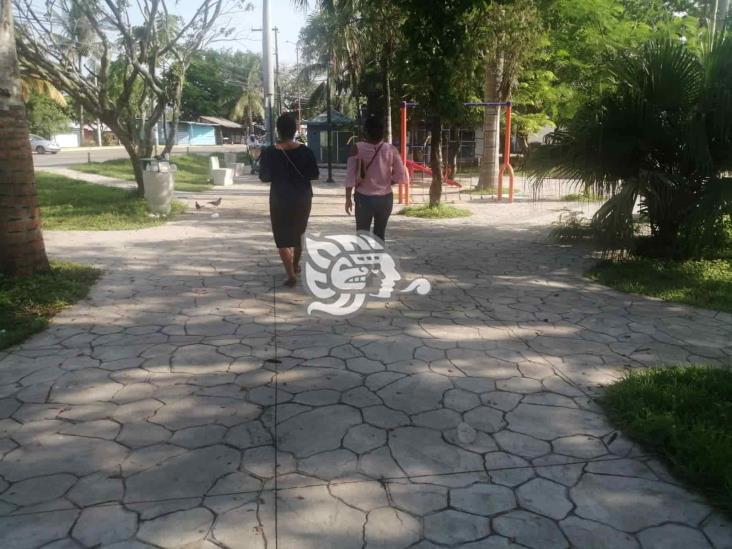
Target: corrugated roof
{"x": 223, "y": 122}
{"x": 337, "y": 119}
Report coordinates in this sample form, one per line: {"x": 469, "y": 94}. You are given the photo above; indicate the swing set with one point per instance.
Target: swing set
{"x": 416, "y": 167}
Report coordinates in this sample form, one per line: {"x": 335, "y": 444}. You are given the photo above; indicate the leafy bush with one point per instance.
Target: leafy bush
{"x": 662, "y": 137}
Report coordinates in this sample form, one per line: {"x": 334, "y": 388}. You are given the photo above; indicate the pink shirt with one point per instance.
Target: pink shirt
{"x": 386, "y": 168}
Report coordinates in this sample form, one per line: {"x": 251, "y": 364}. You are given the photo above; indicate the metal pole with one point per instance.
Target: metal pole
{"x": 299, "y": 106}
{"x": 268, "y": 69}
{"x": 330, "y": 128}
{"x": 81, "y": 108}
{"x": 278, "y": 93}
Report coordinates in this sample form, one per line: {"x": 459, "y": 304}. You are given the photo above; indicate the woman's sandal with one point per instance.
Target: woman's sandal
{"x": 291, "y": 282}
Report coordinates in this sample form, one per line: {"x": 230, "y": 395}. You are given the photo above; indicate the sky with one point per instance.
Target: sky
{"x": 285, "y": 17}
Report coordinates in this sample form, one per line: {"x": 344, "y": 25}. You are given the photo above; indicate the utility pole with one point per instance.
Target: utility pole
{"x": 330, "y": 127}
{"x": 81, "y": 107}
{"x": 268, "y": 69}
{"x": 278, "y": 93}
{"x": 297, "y": 79}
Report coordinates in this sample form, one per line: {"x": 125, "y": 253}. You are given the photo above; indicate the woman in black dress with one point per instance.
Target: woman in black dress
{"x": 289, "y": 166}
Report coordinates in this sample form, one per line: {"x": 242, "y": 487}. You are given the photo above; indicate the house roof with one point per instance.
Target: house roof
{"x": 223, "y": 122}
{"x": 336, "y": 118}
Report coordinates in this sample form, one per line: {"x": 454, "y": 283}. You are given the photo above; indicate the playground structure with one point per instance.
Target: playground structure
{"x": 404, "y": 192}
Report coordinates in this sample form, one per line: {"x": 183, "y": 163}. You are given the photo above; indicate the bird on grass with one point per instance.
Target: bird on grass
{"x": 216, "y": 202}
{"x": 198, "y": 206}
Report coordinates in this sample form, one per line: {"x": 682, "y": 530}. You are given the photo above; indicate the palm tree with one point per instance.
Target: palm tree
{"x": 331, "y": 49}
{"x": 508, "y": 34}
{"x": 662, "y": 138}
{"x": 35, "y": 86}
{"x": 22, "y": 251}
{"x": 249, "y": 105}
{"x": 80, "y": 35}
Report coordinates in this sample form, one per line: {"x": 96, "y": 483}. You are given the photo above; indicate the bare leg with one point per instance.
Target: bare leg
{"x": 286, "y": 256}
{"x": 297, "y": 254}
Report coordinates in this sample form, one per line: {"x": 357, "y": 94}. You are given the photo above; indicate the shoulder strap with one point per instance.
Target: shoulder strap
{"x": 376, "y": 153}
{"x": 287, "y": 156}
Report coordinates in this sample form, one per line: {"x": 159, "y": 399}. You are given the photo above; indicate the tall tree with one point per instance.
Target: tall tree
{"x": 22, "y": 251}
{"x": 141, "y": 68}
{"x": 506, "y": 35}
{"x": 437, "y": 61}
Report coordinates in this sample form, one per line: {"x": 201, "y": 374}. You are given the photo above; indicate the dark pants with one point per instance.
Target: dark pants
{"x": 373, "y": 208}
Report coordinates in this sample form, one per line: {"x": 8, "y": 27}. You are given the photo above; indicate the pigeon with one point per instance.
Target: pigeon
{"x": 216, "y": 202}
{"x": 198, "y": 206}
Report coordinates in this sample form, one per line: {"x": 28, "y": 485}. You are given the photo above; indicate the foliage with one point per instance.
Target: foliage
{"x": 572, "y": 227}
{"x": 685, "y": 414}
{"x": 45, "y": 117}
{"x": 661, "y": 136}
{"x": 226, "y": 84}
{"x": 192, "y": 175}
{"x": 440, "y": 211}
{"x": 27, "y": 305}
{"x": 33, "y": 86}
{"x": 125, "y": 74}
{"x": 70, "y": 205}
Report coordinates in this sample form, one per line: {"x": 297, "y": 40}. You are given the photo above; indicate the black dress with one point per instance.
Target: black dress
{"x": 290, "y": 192}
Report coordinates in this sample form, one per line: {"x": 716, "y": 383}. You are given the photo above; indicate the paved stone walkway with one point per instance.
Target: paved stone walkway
{"x": 148, "y": 415}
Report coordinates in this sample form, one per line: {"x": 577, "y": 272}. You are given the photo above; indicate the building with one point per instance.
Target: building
{"x": 227, "y": 132}
{"x": 191, "y": 133}
{"x": 343, "y": 131}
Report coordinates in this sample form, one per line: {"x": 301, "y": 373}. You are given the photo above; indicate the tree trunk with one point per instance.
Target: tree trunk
{"x": 387, "y": 98}
{"x": 170, "y": 137}
{"x": 81, "y": 109}
{"x": 22, "y": 251}
{"x": 489, "y": 164}
{"x": 436, "y": 161}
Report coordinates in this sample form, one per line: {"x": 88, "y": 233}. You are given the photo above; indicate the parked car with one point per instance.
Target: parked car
{"x": 42, "y": 145}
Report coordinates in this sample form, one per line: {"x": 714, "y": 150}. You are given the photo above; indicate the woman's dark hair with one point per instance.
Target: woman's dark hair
{"x": 373, "y": 128}
{"x": 286, "y": 126}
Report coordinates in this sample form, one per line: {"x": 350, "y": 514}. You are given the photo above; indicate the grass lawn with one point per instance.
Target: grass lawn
{"x": 685, "y": 414}
{"x": 67, "y": 204}
{"x": 192, "y": 174}
{"x": 27, "y": 305}
{"x": 704, "y": 283}
{"x": 442, "y": 211}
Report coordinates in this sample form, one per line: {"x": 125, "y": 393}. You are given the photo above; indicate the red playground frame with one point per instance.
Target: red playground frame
{"x": 404, "y": 189}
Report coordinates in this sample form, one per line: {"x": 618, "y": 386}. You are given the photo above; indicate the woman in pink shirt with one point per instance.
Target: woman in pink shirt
{"x": 373, "y": 167}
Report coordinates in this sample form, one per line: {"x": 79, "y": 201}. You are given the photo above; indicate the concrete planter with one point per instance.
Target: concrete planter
{"x": 222, "y": 177}
{"x": 229, "y": 159}
{"x": 159, "y": 188}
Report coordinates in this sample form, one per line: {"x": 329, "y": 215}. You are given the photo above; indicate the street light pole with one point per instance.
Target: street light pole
{"x": 268, "y": 68}
{"x": 278, "y": 93}
{"x": 330, "y": 127}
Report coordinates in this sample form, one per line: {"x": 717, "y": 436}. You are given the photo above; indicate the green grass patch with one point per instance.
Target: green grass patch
{"x": 704, "y": 283}
{"x": 192, "y": 175}
{"x": 572, "y": 227}
{"x": 67, "y": 204}
{"x": 27, "y": 305}
{"x": 685, "y": 414}
{"x": 441, "y": 211}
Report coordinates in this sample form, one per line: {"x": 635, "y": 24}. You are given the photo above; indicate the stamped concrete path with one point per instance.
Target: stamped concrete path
{"x": 149, "y": 415}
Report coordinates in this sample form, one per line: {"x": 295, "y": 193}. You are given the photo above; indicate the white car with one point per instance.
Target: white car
{"x": 42, "y": 145}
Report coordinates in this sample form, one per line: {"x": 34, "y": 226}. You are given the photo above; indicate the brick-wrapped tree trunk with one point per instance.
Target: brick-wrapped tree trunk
{"x": 22, "y": 252}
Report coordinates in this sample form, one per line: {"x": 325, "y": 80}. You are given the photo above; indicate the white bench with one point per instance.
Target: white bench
{"x": 221, "y": 176}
